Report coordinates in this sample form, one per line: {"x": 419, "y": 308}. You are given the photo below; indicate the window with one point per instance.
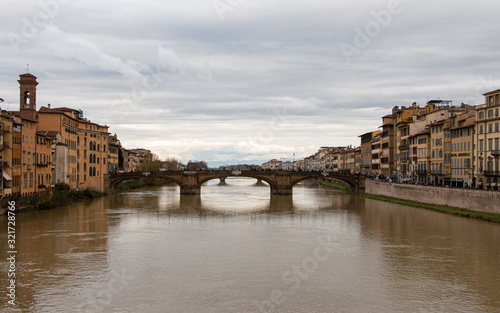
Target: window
{"x": 25, "y": 180}
{"x": 31, "y": 180}
{"x": 481, "y": 115}
{"x": 490, "y": 113}
{"x": 490, "y": 128}
{"x": 481, "y": 145}
{"x": 480, "y": 129}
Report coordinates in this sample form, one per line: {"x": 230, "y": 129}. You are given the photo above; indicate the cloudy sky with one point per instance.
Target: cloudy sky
{"x": 240, "y": 81}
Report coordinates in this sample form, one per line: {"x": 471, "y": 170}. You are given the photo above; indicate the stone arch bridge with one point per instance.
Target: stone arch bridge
{"x": 280, "y": 182}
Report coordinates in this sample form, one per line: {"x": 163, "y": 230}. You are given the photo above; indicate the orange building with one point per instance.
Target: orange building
{"x": 43, "y": 159}
{"x": 86, "y": 157}
{"x": 80, "y": 144}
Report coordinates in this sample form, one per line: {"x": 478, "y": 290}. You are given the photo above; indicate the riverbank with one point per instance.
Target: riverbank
{"x": 491, "y": 217}
{"x": 334, "y": 185}
{"x": 487, "y": 216}
{"x": 143, "y": 182}
{"x": 66, "y": 197}
{"x": 58, "y": 197}
{"x": 469, "y": 200}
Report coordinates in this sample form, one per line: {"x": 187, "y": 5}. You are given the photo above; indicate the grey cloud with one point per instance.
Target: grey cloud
{"x": 197, "y": 86}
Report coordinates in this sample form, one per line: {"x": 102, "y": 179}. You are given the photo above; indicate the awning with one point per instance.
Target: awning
{"x": 6, "y": 176}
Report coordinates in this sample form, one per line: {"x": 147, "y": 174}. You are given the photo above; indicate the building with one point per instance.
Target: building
{"x": 114, "y": 154}
{"x": 387, "y": 147}
{"x": 86, "y": 147}
{"x": 487, "y": 167}
{"x": 16, "y": 155}
{"x": 420, "y": 146}
{"x": 460, "y": 159}
{"x": 366, "y": 151}
{"x": 375, "y": 157}
{"x": 272, "y": 165}
{"x": 402, "y": 118}
{"x": 43, "y": 161}
{"x": 6, "y": 162}
{"x": 437, "y": 153}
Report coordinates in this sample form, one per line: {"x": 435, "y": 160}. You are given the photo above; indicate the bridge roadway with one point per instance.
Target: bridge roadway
{"x": 280, "y": 182}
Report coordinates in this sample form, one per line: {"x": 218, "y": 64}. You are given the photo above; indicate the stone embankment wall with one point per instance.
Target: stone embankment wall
{"x": 468, "y": 199}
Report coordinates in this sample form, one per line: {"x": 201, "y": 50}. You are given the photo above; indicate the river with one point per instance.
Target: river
{"x": 237, "y": 249}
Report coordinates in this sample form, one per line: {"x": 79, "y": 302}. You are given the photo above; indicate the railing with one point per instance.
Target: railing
{"x": 437, "y": 173}
{"x": 404, "y": 147}
{"x": 495, "y": 152}
{"x": 421, "y": 172}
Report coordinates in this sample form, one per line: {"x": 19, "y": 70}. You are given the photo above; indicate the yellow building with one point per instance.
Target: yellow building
{"x": 421, "y": 149}
{"x": 402, "y": 118}
{"x": 114, "y": 154}
{"x": 437, "y": 153}
{"x": 43, "y": 159}
{"x": 86, "y": 156}
{"x": 6, "y": 147}
{"x": 387, "y": 144}
{"x": 487, "y": 153}
{"x": 462, "y": 146}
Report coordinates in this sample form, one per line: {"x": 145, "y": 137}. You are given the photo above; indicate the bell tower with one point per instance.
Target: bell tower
{"x": 27, "y": 88}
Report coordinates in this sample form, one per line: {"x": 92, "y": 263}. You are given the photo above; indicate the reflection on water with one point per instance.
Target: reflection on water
{"x": 235, "y": 248}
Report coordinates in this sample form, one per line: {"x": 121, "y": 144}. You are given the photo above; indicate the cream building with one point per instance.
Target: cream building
{"x": 487, "y": 153}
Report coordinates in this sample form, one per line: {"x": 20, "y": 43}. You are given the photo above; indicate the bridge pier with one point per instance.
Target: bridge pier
{"x": 282, "y": 190}
{"x": 222, "y": 180}
{"x": 191, "y": 190}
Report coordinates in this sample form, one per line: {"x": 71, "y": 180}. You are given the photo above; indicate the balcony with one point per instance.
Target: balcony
{"x": 4, "y": 164}
{"x": 422, "y": 172}
{"x": 491, "y": 173}
{"x": 404, "y": 147}
{"x": 495, "y": 152}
